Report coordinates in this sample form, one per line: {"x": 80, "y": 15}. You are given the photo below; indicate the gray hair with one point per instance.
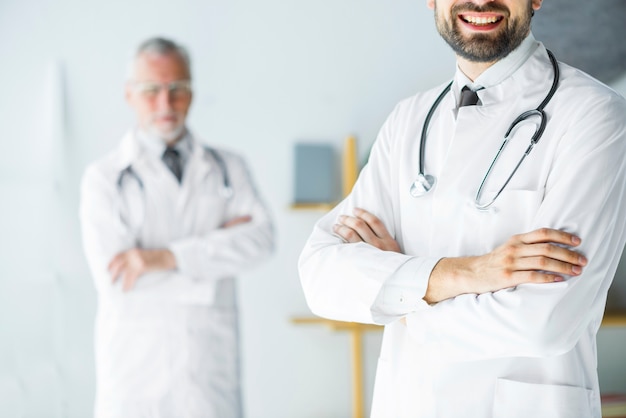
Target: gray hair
{"x": 159, "y": 46}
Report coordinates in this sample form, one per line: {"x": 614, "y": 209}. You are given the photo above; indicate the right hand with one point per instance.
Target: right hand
{"x": 131, "y": 264}
{"x": 533, "y": 257}
{"x": 363, "y": 226}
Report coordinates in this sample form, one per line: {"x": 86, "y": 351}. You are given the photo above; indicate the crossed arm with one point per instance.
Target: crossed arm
{"x": 131, "y": 264}
{"x": 534, "y": 257}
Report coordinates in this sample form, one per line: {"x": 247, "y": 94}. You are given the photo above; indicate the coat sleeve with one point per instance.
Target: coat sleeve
{"x": 105, "y": 234}
{"x": 343, "y": 281}
{"x": 585, "y": 195}
{"x": 226, "y": 252}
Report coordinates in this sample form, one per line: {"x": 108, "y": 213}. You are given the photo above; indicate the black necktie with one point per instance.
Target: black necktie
{"x": 171, "y": 158}
{"x": 468, "y": 97}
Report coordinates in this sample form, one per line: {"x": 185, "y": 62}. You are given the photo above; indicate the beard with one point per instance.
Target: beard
{"x": 170, "y": 133}
{"x": 483, "y": 47}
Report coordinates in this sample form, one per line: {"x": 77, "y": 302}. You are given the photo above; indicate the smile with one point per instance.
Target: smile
{"x": 481, "y": 20}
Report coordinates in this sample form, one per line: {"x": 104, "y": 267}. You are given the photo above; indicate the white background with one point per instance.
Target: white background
{"x": 266, "y": 75}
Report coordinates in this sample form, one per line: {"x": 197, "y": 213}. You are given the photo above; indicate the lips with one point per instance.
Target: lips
{"x": 481, "y": 21}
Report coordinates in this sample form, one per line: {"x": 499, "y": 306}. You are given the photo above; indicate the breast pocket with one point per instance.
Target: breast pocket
{"x": 523, "y": 400}
{"x": 513, "y": 212}
{"x": 209, "y": 205}
{"x": 209, "y": 212}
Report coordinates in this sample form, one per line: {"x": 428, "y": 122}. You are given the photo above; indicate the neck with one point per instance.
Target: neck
{"x": 472, "y": 69}
{"x": 172, "y": 142}
{"x": 168, "y": 140}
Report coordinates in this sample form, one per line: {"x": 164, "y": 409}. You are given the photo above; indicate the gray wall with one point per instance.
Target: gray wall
{"x": 267, "y": 74}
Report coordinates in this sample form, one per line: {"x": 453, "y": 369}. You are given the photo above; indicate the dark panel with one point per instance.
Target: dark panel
{"x": 590, "y": 35}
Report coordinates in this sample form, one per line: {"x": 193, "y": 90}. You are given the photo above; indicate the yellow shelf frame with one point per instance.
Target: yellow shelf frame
{"x": 356, "y": 331}
{"x": 614, "y": 318}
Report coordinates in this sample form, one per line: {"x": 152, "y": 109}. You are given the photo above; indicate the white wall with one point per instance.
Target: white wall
{"x": 266, "y": 74}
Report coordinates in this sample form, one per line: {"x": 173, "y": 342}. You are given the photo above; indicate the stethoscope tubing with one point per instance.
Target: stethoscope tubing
{"x": 429, "y": 180}
{"x": 226, "y": 190}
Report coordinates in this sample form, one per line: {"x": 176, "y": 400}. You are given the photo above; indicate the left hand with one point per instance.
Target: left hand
{"x": 239, "y": 220}
{"x": 365, "y": 227}
{"x": 131, "y": 264}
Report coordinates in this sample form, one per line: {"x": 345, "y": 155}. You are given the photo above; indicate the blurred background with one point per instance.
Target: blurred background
{"x": 266, "y": 76}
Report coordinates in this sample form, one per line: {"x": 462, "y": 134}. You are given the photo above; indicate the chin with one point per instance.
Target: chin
{"x": 168, "y": 135}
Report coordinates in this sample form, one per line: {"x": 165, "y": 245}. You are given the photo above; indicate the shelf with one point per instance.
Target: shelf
{"x": 325, "y": 207}
{"x": 350, "y": 172}
{"x": 336, "y": 325}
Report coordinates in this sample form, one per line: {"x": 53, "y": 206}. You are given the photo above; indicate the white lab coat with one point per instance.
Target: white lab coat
{"x": 523, "y": 352}
{"x": 169, "y": 347}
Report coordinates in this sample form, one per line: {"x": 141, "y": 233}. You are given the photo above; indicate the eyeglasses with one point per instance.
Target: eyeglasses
{"x": 176, "y": 89}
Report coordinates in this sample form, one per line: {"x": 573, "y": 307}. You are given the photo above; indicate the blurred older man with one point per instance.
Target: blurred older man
{"x": 167, "y": 223}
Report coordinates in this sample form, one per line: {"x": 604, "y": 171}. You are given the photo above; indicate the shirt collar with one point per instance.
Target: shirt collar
{"x": 154, "y": 147}
{"x": 499, "y": 71}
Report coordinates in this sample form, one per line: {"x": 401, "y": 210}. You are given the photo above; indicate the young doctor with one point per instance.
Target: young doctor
{"x": 489, "y": 269}
{"x": 167, "y": 223}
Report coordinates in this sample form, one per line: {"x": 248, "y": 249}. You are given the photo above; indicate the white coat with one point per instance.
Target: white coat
{"x": 169, "y": 347}
{"x": 528, "y": 351}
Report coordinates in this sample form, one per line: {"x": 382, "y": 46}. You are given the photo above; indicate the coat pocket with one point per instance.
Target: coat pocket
{"x": 512, "y": 213}
{"x": 514, "y": 399}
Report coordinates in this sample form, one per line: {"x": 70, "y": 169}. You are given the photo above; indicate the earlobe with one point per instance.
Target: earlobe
{"x": 536, "y": 4}
{"x": 430, "y": 4}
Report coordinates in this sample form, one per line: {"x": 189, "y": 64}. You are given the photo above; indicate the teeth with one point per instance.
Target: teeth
{"x": 480, "y": 20}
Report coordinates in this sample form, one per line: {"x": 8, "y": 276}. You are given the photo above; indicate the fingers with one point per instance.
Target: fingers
{"x": 543, "y": 251}
{"x": 539, "y": 277}
{"x": 375, "y": 224}
{"x": 129, "y": 281}
{"x": 548, "y": 235}
{"x": 365, "y": 227}
{"x": 549, "y": 265}
{"x": 237, "y": 221}
{"x": 360, "y": 227}
{"x": 127, "y": 266}
{"x": 116, "y": 266}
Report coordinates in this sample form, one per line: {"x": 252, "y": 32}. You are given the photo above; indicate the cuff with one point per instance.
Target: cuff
{"x": 403, "y": 292}
{"x": 188, "y": 259}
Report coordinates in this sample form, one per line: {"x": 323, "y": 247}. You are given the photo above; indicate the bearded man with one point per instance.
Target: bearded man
{"x": 485, "y": 230}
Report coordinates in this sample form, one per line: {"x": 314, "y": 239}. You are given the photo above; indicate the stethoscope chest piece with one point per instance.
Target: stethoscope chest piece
{"x": 422, "y": 185}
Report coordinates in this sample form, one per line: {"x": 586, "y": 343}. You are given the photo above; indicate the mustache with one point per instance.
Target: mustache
{"x": 167, "y": 114}
{"x": 471, "y": 7}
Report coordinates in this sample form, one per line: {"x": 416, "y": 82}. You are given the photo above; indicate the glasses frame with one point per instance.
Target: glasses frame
{"x": 150, "y": 90}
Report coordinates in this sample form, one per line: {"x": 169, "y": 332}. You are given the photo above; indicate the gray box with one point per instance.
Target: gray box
{"x": 316, "y": 175}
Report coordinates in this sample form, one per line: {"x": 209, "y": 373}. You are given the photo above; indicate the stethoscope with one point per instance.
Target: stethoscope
{"x": 424, "y": 183}
{"x": 226, "y": 190}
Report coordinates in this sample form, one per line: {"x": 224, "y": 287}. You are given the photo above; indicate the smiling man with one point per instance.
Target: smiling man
{"x": 485, "y": 230}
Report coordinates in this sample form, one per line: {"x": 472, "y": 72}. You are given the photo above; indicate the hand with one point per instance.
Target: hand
{"x": 533, "y": 257}
{"x": 365, "y": 227}
{"x": 132, "y": 264}
{"x": 237, "y": 221}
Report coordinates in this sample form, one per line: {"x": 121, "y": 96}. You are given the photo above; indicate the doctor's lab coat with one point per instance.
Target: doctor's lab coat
{"x": 169, "y": 347}
{"x": 528, "y": 351}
